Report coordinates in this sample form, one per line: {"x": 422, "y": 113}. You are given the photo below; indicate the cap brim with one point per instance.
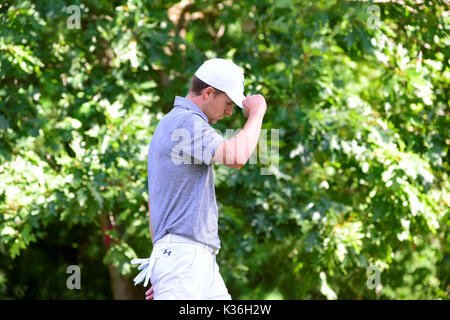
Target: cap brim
{"x": 237, "y": 99}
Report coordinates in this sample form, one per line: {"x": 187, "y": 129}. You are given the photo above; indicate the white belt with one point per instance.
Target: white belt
{"x": 175, "y": 238}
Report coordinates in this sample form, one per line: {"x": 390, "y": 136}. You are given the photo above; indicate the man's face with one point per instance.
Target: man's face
{"x": 217, "y": 106}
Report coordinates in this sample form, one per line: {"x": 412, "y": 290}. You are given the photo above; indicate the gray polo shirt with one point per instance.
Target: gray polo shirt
{"x": 181, "y": 175}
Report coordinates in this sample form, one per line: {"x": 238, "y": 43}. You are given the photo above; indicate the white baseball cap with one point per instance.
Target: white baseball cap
{"x": 223, "y": 75}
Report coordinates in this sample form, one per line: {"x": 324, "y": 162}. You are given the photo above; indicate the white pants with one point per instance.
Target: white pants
{"x": 184, "y": 269}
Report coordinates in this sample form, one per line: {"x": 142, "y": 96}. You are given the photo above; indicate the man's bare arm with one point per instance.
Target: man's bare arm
{"x": 236, "y": 151}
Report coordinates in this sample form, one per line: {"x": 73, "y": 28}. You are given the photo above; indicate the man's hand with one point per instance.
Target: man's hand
{"x": 149, "y": 294}
{"x": 254, "y": 105}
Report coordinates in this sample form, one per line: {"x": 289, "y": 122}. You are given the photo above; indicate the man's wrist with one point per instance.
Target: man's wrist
{"x": 257, "y": 115}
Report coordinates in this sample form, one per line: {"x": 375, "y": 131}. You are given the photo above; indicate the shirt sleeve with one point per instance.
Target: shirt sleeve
{"x": 198, "y": 141}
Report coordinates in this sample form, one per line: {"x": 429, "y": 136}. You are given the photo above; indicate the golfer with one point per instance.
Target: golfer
{"x": 183, "y": 215}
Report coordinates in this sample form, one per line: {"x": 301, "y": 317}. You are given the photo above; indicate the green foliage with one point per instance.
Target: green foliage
{"x": 363, "y": 119}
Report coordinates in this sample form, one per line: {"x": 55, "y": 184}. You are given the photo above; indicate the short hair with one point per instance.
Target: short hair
{"x": 198, "y": 85}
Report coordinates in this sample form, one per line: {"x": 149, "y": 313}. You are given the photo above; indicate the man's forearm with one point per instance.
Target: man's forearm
{"x": 246, "y": 140}
{"x": 236, "y": 151}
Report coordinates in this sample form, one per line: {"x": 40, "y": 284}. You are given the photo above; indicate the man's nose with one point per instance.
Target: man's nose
{"x": 229, "y": 111}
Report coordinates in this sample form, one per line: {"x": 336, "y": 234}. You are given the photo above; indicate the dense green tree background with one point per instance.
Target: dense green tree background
{"x": 359, "y": 95}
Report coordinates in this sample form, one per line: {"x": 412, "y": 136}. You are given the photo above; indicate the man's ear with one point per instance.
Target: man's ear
{"x": 208, "y": 92}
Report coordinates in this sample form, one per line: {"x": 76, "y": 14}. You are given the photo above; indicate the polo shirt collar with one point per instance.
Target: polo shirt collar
{"x": 188, "y": 104}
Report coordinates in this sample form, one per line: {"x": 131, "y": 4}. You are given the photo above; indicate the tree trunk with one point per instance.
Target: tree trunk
{"x": 122, "y": 287}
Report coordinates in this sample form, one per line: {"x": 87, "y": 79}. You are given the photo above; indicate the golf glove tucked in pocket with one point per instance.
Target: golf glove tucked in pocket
{"x": 146, "y": 267}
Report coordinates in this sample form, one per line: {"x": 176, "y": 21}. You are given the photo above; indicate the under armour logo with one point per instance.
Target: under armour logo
{"x": 168, "y": 252}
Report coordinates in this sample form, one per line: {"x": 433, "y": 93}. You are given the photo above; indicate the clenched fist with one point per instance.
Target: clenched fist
{"x": 254, "y": 105}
